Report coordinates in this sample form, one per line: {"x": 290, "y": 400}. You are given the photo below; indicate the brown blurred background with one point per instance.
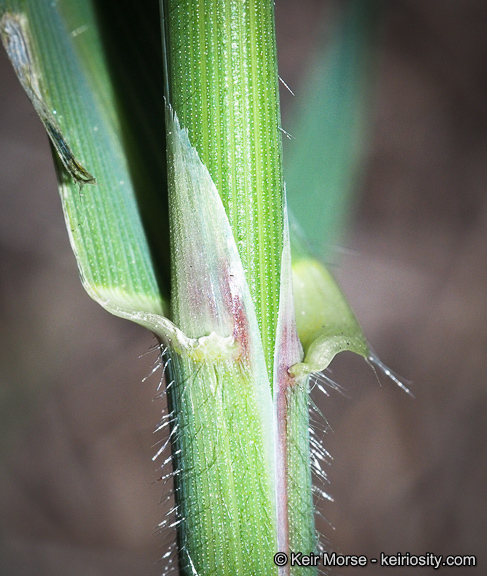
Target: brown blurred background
{"x": 78, "y": 490}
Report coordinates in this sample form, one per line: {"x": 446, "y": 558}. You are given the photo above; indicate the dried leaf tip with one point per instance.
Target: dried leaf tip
{"x": 14, "y": 32}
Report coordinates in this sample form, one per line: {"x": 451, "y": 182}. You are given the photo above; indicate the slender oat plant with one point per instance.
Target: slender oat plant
{"x": 166, "y": 135}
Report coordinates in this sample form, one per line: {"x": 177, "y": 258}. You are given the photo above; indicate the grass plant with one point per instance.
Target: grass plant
{"x": 166, "y": 136}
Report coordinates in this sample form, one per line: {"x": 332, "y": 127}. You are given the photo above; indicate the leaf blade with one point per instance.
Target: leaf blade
{"x": 103, "y": 221}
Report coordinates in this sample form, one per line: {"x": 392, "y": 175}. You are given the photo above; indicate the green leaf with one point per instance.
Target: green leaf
{"x": 58, "y": 55}
{"x": 329, "y": 123}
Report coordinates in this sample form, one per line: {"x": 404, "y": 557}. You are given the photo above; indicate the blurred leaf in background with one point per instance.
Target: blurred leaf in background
{"x": 328, "y": 121}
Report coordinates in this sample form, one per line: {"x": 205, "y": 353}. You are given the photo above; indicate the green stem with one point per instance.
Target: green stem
{"x": 302, "y": 536}
{"x": 223, "y": 488}
{"x": 240, "y": 428}
{"x": 223, "y": 132}
{"x": 223, "y": 86}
